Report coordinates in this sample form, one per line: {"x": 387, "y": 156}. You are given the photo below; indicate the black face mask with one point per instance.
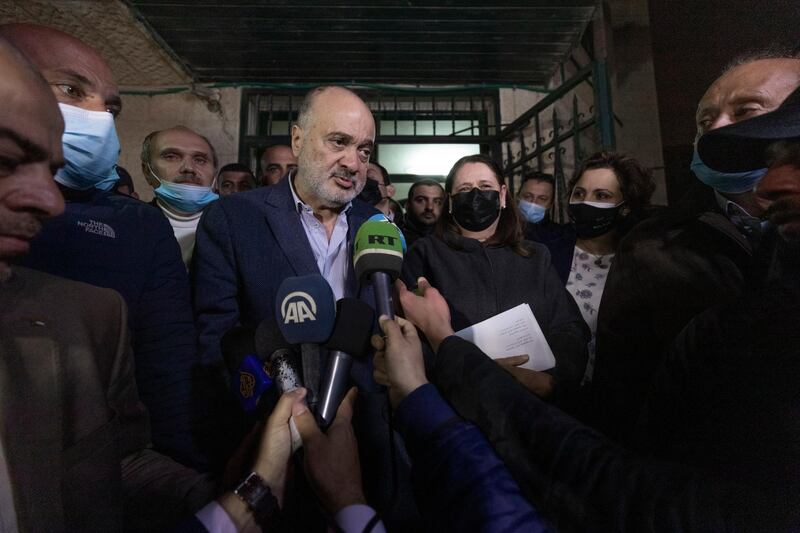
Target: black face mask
{"x": 592, "y": 221}
{"x": 371, "y": 193}
{"x": 475, "y": 210}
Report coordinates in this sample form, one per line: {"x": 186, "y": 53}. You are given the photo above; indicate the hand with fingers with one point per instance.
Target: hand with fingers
{"x": 272, "y": 460}
{"x": 427, "y": 309}
{"x": 539, "y": 383}
{"x": 331, "y": 459}
{"x": 398, "y": 361}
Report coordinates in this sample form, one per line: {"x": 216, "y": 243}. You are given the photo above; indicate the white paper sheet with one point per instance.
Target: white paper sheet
{"x": 512, "y": 332}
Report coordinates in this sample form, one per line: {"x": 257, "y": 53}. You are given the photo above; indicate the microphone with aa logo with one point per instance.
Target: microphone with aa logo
{"x": 378, "y": 257}
{"x": 350, "y": 338}
{"x": 249, "y": 379}
{"x": 305, "y": 311}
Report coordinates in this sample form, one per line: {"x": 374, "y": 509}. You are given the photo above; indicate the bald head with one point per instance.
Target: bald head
{"x": 30, "y": 140}
{"x": 747, "y": 90}
{"x": 333, "y": 140}
{"x": 76, "y": 72}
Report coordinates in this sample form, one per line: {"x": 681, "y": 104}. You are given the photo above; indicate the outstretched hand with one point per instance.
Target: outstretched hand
{"x": 398, "y": 360}
{"x": 428, "y": 310}
{"x": 331, "y": 459}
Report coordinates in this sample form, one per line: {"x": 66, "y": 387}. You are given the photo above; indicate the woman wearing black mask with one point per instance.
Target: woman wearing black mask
{"x": 608, "y": 195}
{"x": 478, "y": 260}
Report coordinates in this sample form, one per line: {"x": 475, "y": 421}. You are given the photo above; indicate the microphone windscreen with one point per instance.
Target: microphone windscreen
{"x": 353, "y": 329}
{"x": 236, "y": 344}
{"x": 378, "y": 248}
{"x": 305, "y": 309}
{"x": 269, "y": 339}
{"x": 380, "y": 217}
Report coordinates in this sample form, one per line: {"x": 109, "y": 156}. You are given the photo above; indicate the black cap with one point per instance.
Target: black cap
{"x": 742, "y": 146}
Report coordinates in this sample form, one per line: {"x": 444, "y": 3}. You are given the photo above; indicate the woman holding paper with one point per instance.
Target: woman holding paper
{"x": 609, "y": 193}
{"x": 478, "y": 260}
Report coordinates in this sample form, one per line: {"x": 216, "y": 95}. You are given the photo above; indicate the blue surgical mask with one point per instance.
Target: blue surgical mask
{"x": 533, "y": 213}
{"x": 183, "y": 197}
{"x": 726, "y": 182}
{"x": 91, "y": 149}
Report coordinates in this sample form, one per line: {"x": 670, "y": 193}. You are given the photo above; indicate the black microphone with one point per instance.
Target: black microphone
{"x": 350, "y": 338}
{"x": 378, "y": 256}
{"x": 249, "y": 380}
{"x": 280, "y": 359}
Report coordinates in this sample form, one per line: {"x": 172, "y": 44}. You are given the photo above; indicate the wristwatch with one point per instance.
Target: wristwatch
{"x": 255, "y": 492}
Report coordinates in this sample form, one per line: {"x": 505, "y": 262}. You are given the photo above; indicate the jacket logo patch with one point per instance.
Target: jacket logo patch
{"x": 98, "y": 228}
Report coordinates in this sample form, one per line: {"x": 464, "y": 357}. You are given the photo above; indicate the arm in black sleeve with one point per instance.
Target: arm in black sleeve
{"x": 575, "y": 476}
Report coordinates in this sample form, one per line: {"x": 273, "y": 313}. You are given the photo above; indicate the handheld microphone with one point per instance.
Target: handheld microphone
{"x": 305, "y": 311}
{"x": 378, "y": 256}
{"x": 249, "y": 380}
{"x": 350, "y": 338}
{"x": 278, "y": 356}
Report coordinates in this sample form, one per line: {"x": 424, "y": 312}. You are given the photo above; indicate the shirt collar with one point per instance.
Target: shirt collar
{"x": 300, "y": 205}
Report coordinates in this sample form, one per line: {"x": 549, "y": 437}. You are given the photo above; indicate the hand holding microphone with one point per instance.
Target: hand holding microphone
{"x": 398, "y": 361}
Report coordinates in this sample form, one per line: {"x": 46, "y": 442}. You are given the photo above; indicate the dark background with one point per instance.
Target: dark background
{"x": 693, "y": 40}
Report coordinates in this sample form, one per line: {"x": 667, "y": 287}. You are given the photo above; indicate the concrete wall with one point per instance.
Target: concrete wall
{"x": 634, "y": 94}
{"x": 634, "y": 97}
{"x": 144, "y": 114}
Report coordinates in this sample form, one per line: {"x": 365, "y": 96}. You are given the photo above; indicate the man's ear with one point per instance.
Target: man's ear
{"x": 390, "y": 191}
{"x": 148, "y": 176}
{"x": 297, "y": 139}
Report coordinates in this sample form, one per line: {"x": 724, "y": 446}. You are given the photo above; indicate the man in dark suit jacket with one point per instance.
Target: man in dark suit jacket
{"x": 248, "y": 243}
{"x": 74, "y": 437}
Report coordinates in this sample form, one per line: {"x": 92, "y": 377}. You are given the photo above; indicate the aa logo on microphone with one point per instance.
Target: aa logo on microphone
{"x": 298, "y": 307}
{"x": 247, "y": 384}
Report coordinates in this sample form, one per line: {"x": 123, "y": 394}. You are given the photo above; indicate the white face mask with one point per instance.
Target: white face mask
{"x": 91, "y": 149}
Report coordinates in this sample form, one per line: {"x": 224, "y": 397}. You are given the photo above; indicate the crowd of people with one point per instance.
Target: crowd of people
{"x": 672, "y": 403}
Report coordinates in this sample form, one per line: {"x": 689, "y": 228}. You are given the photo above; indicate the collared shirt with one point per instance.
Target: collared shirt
{"x": 332, "y": 256}
{"x": 351, "y": 519}
{"x": 748, "y": 225}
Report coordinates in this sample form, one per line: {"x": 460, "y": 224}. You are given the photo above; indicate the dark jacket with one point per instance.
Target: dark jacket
{"x": 460, "y": 483}
{"x": 480, "y": 281}
{"x": 581, "y": 481}
{"x": 559, "y": 239}
{"x": 75, "y": 435}
{"x": 113, "y": 241}
{"x": 413, "y": 230}
{"x": 667, "y": 270}
{"x": 726, "y": 398}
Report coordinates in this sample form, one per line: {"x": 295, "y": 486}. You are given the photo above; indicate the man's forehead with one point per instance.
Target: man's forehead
{"x": 182, "y": 139}
{"x": 278, "y": 154}
{"x": 428, "y": 190}
{"x": 340, "y": 110}
{"x": 235, "y": 175}
{"x": 751, "y": 79}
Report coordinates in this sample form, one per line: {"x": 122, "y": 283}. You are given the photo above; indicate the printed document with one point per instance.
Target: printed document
{"x": 512, "y": 332}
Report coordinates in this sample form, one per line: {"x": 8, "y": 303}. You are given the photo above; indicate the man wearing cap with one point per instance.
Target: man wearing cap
{"x": 726, "y": 397}
{"x": 674, "y": 266}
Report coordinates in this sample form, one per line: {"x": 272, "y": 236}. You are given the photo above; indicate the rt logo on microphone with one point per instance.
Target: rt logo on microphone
{"x": 298, "y": 307}
{"x": 381, "y": 239}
